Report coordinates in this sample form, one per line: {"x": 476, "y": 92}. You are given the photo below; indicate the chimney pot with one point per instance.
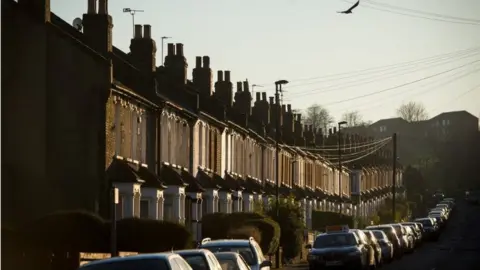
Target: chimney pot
{"x": 171, "y": 49}
{"x": 102, "y": 7}
{"x": 299, "y": 117}
{"x": 179, "y": 49}
{"x": 284, "y": 108}
{"x": 227, "y": 75}
{"x": 329, "y": 131}
{"x": 289, "y": 108}
{"x": 305, "y": 127}
{"x": 310, "y": 128}
{"x": 147, "y": 31}
{"x": 334, "y": 130}
{"x": 245, "y": 86}
{"x": 220, "y": 76}
{"x": 92, "y": 7}
{"x": 198, "y": 62}
{"x": 271, "y": 100}
{"x": 239, "y": 86}
{"x": 138, "y": 31}
{"x": 320, "y": 131}
{"x": 257, "y": 96}
{"x": 264, "y": 96}
{"x": 206, "y": 62}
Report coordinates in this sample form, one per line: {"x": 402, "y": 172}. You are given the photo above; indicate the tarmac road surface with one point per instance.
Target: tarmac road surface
{"x": 457, "y": 249}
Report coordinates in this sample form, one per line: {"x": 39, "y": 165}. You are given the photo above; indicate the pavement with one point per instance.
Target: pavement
{"x": 457, "y": 249}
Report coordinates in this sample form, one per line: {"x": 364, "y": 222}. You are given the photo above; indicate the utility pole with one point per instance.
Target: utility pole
{"x": 278, "y": 90}
{"x": 340, "y": 160}
{"x": 394, "y": 176}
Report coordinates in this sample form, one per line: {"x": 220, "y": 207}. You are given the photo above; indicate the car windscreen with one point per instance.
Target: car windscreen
{"x": 389, "y": 231}
{"x": 245, "y": 251}
{"x": 144, "y": 264}
{"x": 196, "y": 261}
{"x": 335, "y": 240}
{"x": 379, "y": 235}
{"x": 425, "y": 222}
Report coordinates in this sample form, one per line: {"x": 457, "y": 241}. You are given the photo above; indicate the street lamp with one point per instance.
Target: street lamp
{"x": 278, "y": 90}
{"x": 340, "y": 124}
{"x": 132, "y": 12}
{"x": 163, "y": 42}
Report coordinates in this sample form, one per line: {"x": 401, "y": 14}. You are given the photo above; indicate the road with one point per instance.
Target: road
{"x": 458, "y": 248}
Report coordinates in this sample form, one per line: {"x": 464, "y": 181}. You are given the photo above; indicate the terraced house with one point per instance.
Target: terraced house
{"x": 175, "y": 148}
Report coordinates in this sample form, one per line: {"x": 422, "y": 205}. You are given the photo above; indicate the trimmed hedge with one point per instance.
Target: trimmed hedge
{"x": 148, "y": 235}
{"x": 218, "y": 225}
{"x": 322, "y": 219}
{"x": 245, "y": 232}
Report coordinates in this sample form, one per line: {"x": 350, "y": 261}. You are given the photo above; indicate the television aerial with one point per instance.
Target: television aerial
{"x": 78, "y": 24}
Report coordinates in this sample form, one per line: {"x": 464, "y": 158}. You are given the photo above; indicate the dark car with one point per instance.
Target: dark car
{"x": 392, "y": 236}
{"x": 372, "y": 240}
{"x": 338, "y": 249}
{"x": 430, "y": 229}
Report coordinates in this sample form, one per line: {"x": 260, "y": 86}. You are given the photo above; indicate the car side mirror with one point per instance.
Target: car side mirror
{"x": 308, "y": 246}
{"x": 266, "y": 264}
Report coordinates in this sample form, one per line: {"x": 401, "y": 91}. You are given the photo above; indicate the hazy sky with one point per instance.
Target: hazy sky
{"x": 306, "y": 42}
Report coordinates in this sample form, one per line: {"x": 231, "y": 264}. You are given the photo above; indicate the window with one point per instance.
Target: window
{"x": 144, "y": 208}
{"x": 119, "y": 207}
{"x": 383, "y": 128}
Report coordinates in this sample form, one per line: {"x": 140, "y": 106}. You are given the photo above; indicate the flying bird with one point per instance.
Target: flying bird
{"x": 349, "y": 11}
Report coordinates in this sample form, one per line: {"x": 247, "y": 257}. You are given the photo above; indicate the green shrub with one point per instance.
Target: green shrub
{"x": 245, "y": 232}
{"x": 149, "y": 235}
{"x": 74, "y": 231}
{"x": 270, "y": 231}
{"x": 218, "y": 226}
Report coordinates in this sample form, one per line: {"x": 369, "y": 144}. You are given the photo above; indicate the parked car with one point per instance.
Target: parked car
{"x": 385, "y": 245}
{"x": 411, "y": 237}
{"x": 370, "y": 248}
{"x": 200, "y": 259}
{"x": 372, "y": 240}
{"x": 247, "y": 248}
{"x": 231, "y": 261}
{"x": 339, "y": 248}
{"x": 391, "y": 233}
{"x": 402, "y": 235}
{"x": 430, "y": 229}
{"x": 158, "y": 261}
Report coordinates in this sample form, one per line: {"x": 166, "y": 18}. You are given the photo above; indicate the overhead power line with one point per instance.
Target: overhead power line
{"x": 351, "y": 146}
{"x": 370, "y": 105}
{"x": 381, "y": 69}
{"x": 451, "y": 101}
{"x": 367, "y": 80}
{"x": 442, "y": 16}
{"x": 401, "y": 85}
{"x": 372, "y": 6}
{"x": 366, "y": 155}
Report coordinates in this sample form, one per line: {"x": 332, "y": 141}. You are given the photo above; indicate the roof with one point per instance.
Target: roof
{"x": 459, "y": 113}
{"x": 390, "y": 120}
{"x": 226, "y": 242}
{"x": 161, "y": 256}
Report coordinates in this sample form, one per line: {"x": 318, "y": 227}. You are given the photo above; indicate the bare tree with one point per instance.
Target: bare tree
{"x": 412, "y": 111}
{"x": 318, "y": 117}
{"x": 353, "y": 118}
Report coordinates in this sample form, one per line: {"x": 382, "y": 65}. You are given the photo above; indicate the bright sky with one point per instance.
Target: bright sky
{"x": 267, "y": 40}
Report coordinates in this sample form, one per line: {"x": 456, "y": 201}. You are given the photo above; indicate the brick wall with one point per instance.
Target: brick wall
{"x": 110, "y": 135}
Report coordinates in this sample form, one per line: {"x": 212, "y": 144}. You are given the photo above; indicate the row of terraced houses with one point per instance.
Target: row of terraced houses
{"x": 84, "y": 116}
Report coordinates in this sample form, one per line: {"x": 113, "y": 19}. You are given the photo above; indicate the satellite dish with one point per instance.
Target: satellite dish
{"x": 78, "y": 24}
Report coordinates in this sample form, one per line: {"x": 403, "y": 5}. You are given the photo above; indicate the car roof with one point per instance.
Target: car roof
{"x": 192, "y": 251}
{"x": 161, "y": 256}
{"x": 226, "y": 242}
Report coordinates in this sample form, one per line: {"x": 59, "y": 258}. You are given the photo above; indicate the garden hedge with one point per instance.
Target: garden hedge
{"x": 218, "y": 226}
{"x": 149, "y": 235}
{"x": 322, "y": 219}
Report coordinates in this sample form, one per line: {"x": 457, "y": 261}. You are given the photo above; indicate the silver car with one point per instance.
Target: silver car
{"x": 158, "y": 261}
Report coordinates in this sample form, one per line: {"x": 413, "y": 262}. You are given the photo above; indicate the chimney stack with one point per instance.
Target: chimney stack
{"x": 271, "y": 100}
{"x": 257, "y": 96}
{"x": 206, "y": 62}
{"x": 138, "y": 31}
{"x": 227, "y": 75}
{"x": 299, "y": 117}
{"x": 147, "y": 31}
{"x": 329, "y": 131}
{"x": 305, "y": 127}
{"x": 284, "y": 108}
{"x": 239, "y": 86}
{"x": 102, "y": 7}
{"x": 219, "y": 76}
{"x": 334, "y": 130}
{"x": 170, "y": 49}
{"x": 289, "y": 108}
{"x": 245, "y": 86}
{"x": 179, "y": 49}
{"x": 198, "y": 62}
{"x": 264, "y": 96}
{"x": 92, "y": 7}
